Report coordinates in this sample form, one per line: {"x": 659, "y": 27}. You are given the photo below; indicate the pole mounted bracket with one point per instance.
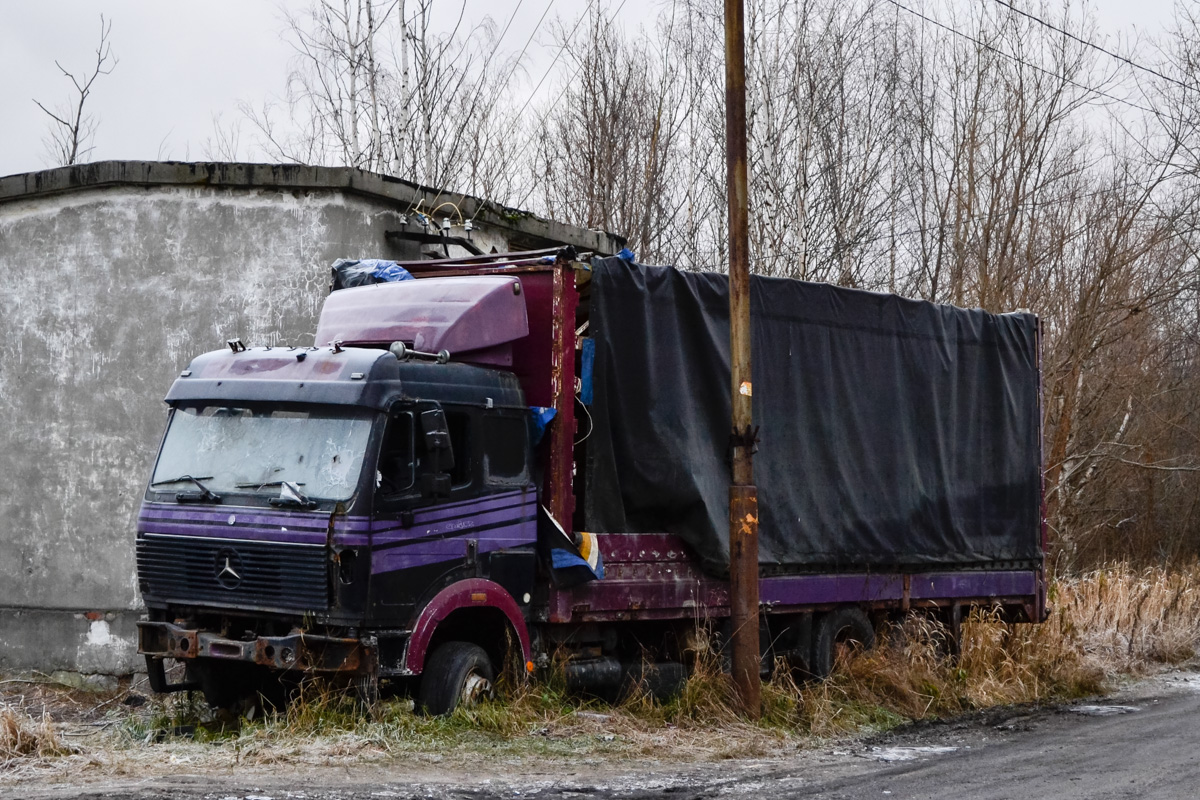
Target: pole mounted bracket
{"x": 745, "y": 438}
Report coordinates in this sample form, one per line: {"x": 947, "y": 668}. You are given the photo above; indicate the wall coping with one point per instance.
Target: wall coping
{"x": 523, "y": 229}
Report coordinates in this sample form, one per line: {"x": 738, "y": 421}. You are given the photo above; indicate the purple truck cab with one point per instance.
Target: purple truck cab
{"x": 383, "y": 507}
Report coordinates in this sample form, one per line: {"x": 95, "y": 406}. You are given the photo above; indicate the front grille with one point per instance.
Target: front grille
{"x": 234, "y": 573}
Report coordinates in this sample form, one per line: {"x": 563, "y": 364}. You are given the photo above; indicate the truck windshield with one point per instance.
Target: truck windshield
{"x": 231, "y": 449}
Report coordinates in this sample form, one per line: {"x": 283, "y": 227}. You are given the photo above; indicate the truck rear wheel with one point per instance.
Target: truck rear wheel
{"x": 838, "y": 631}
{"x": 458, "y": 673}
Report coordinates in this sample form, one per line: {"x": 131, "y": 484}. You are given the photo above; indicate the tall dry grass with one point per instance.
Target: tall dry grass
{"x": 1105, "y": 625}
{"x": 1120, "y": 619}
{"x": 23, "y": 737}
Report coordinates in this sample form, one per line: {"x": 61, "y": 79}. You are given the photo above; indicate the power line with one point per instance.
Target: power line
{"x": 517, "y": 62}
{"x": 1051, "y": 73}
{"x": 1092, "y": 45}
{"x": 567, "y": 85}
{"x": 488, "y": 61}
{"x": 528, "y": 41}
{"x": 517, "y": 118}
{"x": 483, "y": 72}
{"x": 508, "y": 24}
{"x": 558, "y": 55}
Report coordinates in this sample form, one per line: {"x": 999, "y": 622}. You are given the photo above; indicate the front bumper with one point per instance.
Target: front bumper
{"x": 304, "y": 652}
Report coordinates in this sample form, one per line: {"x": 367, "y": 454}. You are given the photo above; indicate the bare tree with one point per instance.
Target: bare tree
{"x": 984, "y": 155}
{"x": 332, "y": 90}
{"x": 373, "y": 86}
{"x": 72, "y": 132}
{"x": 604, "y": 150}
{"x": 225, "y": 143}
{"x": 969, "y": 155}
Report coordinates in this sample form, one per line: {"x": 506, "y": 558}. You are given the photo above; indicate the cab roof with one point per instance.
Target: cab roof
{"x": 352, "y": 376}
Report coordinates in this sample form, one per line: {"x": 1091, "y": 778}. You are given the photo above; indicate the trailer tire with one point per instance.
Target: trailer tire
{"x": 837, "y": 630}
{"x": 458, "y": 673}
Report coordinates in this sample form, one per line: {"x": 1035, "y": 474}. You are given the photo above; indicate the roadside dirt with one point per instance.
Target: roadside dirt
{"x": 1138, "y": 742}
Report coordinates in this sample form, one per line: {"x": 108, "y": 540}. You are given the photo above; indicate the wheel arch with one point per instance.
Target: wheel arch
{"x": 474, "y": 610}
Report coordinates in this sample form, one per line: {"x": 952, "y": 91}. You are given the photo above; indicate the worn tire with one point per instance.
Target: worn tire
{"x": 847, "y": 626}
{"x": 458, "y": 673}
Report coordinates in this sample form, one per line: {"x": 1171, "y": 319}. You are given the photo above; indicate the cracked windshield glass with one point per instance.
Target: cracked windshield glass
{"x": 234, "y": 449}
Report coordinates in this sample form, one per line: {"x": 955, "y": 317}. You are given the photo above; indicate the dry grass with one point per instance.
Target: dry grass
{"x": 1105, "y": 626}
{"x": 22, "y": 737}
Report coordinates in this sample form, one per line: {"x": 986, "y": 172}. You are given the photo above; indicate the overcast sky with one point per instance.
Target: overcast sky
{"x": 182, "y": 61}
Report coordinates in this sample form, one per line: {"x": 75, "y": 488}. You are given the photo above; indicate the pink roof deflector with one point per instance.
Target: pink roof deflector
{"x": 460, "y": 314}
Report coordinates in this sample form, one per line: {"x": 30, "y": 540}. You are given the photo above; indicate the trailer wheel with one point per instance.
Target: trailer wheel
{"x": 458, "y": 673}
{"x": 839, "y": 630}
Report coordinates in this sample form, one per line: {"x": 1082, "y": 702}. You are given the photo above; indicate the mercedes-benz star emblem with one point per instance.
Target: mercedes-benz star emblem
{"x": 228, "y": 562}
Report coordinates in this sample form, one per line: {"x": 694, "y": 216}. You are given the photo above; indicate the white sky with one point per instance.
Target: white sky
{"x": 182, "y": 61}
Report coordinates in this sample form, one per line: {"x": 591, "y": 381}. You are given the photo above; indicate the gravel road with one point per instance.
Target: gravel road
{"x": 1142, "y": 742}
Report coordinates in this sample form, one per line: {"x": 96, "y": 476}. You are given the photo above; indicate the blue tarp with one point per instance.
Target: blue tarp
{"x": 350, "y": 272}
{"x": 541, "y": 418}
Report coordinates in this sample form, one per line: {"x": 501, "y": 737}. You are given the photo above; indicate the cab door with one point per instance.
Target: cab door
{"x": 427, "y": 483}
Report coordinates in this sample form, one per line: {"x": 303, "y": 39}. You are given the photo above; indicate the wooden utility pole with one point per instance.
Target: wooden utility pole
{"x": 743, "y": 497}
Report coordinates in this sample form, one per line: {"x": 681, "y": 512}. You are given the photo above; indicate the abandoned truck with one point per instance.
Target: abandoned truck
{"x": 509, "y": 461}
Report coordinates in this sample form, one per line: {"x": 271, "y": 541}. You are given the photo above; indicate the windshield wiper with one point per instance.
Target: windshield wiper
{"x": 183, "y": 478}
{"x": 265, "y": 484}
{"x": 290, "y": 495}
{"x": 205, "y": 495}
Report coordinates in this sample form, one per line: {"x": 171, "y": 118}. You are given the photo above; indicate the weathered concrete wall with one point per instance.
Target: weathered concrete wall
{"x": 92, "y": 642}
{"x": 107, "y": 295}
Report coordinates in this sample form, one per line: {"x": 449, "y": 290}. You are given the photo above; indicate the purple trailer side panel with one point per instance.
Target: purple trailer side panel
{"x": 937, "y": 585}
{"x": 652, "y": 576}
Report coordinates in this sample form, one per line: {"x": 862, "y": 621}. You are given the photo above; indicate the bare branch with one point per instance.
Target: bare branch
{"x": 72, "y": 132}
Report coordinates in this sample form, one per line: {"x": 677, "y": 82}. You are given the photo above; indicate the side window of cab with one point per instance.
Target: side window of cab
{"x": 398, "y": 456}
{"x": 426, "y": 455}
{"x": 461, "y": 442}
{"x": 506, "y": 449}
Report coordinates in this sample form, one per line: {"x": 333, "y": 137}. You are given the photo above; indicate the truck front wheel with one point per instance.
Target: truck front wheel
{"x": 458, "y": 673}
{"x": 840, "y": 630}
{"x": 225, "y": 685}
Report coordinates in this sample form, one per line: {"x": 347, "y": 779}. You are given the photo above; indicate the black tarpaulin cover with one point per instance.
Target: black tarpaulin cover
{"x": 894, "y": 432}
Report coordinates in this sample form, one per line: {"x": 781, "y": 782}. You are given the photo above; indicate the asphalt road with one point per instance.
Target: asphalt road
{"x": 1142, "y": 743}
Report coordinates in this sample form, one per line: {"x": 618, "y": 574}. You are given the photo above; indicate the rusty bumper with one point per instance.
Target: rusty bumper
{"x": 305, "y": 652}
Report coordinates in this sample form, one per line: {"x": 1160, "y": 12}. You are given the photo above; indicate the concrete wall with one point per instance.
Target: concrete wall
{"x": 107, "y": 294}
